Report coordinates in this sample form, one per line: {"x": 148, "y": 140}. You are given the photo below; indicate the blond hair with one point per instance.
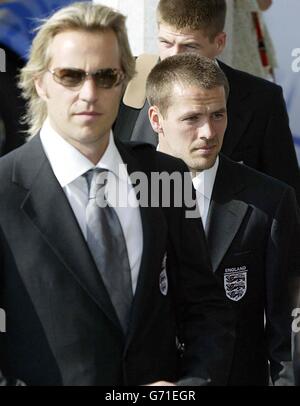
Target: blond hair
{"x": 87, "y": 17}
{"x": 184, "y": 69}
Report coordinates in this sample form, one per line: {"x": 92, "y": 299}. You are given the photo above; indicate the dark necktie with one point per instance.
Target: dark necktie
{"x": 107, "y": 244}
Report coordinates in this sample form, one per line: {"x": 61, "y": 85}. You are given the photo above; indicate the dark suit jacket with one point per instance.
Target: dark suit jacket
{"x": 61, "y": 326}
{"x": 253, "y": 235}
{"x": 258, "y": 132}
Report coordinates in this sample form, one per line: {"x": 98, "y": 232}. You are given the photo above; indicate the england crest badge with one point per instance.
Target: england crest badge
{"x": 235, "y": 282}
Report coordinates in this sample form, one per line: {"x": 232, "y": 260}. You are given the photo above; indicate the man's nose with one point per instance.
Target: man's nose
{"x": 89, "y": 90}
{"x": 175, "y": 50}
{"x": 207, "y": 130}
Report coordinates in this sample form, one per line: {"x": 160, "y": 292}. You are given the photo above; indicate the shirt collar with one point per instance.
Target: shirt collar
{"x": 69, "y": 164}
{"x": 204, "y": 181}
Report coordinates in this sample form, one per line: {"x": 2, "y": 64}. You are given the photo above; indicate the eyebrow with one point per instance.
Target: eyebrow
{"x": 222, "y": 110}
{"x": 163, "y": 38}
{"x": 192, "y": 42}
{"x": 197, "y": 113}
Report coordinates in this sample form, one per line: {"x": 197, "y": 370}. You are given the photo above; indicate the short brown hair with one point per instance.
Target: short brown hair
{"x": 207, "y": 16}
{"x": 187, "y": 69}
{"x": 79, "y": 16}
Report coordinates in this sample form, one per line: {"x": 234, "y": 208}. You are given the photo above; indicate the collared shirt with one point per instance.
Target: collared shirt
{"x": 68, "y": 165}
{"x": 204, "y": 183}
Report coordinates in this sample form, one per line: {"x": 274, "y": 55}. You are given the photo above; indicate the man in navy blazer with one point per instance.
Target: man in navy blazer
{"x": 62, "y": 326}
{"x": 251, "y": 220}
{"x": 258, "y": 132}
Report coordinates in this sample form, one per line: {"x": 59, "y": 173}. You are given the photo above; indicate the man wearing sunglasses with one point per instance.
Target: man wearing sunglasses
{"x": 94, "y": 293}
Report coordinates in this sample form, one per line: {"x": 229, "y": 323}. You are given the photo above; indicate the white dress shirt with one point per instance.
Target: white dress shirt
{"x": 68, "y": 165}
{"x": 204, "y": 183}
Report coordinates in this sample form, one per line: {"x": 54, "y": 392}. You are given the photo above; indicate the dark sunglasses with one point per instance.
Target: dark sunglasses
{"x": 74, "y": 78}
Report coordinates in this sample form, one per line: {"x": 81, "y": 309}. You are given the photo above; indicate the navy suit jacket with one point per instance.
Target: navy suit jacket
{"x": 253, "y": 233}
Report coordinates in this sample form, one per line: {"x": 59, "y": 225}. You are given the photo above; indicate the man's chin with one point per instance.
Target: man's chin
{"x": 202, "y": 164}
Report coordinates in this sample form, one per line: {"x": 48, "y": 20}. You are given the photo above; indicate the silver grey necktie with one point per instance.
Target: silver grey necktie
{"x": 107, "y": 244}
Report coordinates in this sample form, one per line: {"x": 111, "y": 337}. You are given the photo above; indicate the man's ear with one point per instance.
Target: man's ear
{"x": 155, "y": 119}
{"x": 220, "y": 41}
{"x": 40, "y": 87}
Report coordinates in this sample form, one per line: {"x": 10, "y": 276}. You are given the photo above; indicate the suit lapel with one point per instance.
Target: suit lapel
{"x": 226, "y": 212}
{"x": 48, "y": 208}
{"x": 239, "y": 113}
